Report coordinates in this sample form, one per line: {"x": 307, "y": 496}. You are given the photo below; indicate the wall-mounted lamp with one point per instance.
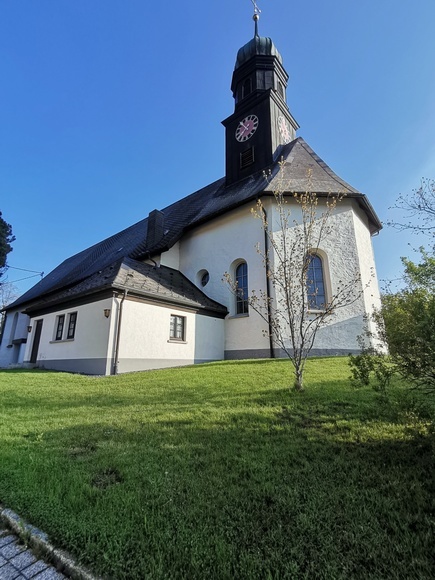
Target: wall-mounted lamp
{"x": 107, "y": 312}
{"x": 29, "y": 329}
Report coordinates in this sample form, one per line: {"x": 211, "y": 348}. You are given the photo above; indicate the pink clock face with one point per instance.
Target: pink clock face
{"x": 246, "y": 128}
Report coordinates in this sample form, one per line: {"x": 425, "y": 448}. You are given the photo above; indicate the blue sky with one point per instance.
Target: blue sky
{"x": 111, "y": 108}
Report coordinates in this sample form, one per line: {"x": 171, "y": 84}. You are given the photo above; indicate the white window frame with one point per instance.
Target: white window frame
{"x": 177, "y": 321}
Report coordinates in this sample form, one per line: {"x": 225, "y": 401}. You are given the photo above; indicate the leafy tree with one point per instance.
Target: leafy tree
{"x": 409, "y": 323}
{"x": 6, "y": 239}
{"x": 421, "y": 275}
{"x": 302, "y": 222}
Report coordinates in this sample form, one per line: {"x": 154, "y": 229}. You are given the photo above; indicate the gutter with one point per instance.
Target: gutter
{"x": 118, "y": 333}
{"x": 268, "y": 295}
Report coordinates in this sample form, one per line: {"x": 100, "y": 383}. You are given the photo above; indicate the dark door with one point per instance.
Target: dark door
{"x": 36, "y": 340}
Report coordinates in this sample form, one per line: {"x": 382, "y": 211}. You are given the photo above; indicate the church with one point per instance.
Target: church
{"x": 154, "y": 295}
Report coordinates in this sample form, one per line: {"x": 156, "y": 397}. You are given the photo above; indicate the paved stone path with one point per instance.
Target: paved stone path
{"x": 17, "y": 562}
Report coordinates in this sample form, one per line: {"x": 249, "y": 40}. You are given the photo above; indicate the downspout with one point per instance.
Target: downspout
{"x": 268, "y": 295}
{"x": 118, "y": 334}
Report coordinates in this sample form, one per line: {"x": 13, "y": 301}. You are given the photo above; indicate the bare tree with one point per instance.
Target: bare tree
{"x": 298, "y": 309}
{"x": 8, "y": 293}
{"x": 418, "y": 209}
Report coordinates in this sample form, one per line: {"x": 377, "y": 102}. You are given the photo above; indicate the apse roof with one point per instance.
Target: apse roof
{"x": 199, "y": 207}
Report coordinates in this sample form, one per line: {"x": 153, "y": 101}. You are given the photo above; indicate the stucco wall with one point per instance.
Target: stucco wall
{"x": 341, "y": 263}
{"x": 87, "y": 352}
{"x": 14, "y": 338}
{"x": 218, "y": 247}
{"x": 372, "y": 297}
{"x": 145, "y": 342}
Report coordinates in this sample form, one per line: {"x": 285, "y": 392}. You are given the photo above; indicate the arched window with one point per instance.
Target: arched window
{"x": 315, "y": 283}
{"x": 242, "y": 288}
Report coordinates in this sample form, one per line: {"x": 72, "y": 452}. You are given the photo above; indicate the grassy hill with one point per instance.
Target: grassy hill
{"x": 220, "y": 471}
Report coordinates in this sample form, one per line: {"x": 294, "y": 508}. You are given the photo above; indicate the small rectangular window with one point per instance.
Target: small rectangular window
{"x": 59, "y": 327}
{"x": 177, "y": 327}
{"x": 72, "y": 325}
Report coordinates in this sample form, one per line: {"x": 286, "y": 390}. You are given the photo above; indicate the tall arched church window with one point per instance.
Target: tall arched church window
{"x": 242, "y": 288}
{"x": 316, "y": 292}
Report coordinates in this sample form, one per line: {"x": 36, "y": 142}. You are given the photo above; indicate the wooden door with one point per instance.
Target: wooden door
{"x": 36, "y": 340}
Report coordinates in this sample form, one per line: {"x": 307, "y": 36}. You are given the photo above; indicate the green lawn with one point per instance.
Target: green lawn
{"x": 219, "y": 471}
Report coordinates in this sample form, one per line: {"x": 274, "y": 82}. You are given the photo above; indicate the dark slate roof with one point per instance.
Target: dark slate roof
{"x": 197, "y": 208}
{"x": 139, "y": 279}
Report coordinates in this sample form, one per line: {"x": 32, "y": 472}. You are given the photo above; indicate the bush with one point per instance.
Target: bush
{"x": 406, "y": 323}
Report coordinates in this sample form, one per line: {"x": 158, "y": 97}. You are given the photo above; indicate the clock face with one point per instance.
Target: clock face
{"x": 284, "y": 129}
{"x": 246, "y": 128}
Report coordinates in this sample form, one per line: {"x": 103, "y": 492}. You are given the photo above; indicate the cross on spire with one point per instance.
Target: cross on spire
{"x": 257, "y": 11}
{"x": 256, "y": 16}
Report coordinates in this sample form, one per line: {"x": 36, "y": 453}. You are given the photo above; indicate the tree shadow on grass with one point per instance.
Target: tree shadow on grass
{"x": 243, "y": 495}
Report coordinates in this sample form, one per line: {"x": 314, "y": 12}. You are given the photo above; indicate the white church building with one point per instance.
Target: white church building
{"x": 153, "y": 295}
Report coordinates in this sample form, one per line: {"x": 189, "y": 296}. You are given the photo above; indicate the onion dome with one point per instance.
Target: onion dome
{"x": 257, "y": 46}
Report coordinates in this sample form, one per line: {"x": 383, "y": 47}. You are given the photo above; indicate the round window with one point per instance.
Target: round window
{"x": 205, "y": 278}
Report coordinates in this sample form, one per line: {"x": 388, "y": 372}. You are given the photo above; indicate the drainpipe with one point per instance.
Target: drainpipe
{"x": 118, "y": 334}
{"x": 267, "y": 266}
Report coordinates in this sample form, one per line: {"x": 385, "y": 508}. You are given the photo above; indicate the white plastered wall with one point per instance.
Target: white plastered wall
{"x": 145, "y": 342}
{"x": 345, "y": 258}
{"x": 88, "y": 350}
{"x": 217, "y": 247}
{"x": 15, "y": 329}
{"x": 372, "y": 297}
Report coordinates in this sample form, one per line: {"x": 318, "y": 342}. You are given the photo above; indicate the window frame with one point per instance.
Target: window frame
{"x": 177, "y": 321}
{"x": 60, "y": 327}
{"x": 315, "y": 278}
{"x": 242, "y": 292}
{"x": 72, "y": 325}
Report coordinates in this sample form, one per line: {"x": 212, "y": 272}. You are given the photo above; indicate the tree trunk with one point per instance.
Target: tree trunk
{"x": 298, "y": 385}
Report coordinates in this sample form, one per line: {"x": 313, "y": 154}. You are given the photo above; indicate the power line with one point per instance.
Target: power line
{"x": 20, "y": 279}
{"x": 25, "y": 270}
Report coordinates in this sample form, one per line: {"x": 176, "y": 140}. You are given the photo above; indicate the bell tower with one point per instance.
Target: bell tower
{"x": 261, "y": 122}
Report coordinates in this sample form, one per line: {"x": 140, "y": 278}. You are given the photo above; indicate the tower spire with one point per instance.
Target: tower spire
{"x": 256, "y": 16}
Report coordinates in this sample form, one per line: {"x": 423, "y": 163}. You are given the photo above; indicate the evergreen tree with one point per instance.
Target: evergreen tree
{"x": 6, "y": 239}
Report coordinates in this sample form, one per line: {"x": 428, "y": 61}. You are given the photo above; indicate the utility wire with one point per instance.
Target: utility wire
{"x": 20, "y": 279}
{"x": 25, "y": 270}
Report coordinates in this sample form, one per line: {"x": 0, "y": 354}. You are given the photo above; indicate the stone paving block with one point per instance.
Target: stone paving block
{"x": 49, "y": 574}
{"x": 23, "y": 560}
{"x": 34, "y": 569}
{"x": 11, "y": 550}
{"x": 6, "y": 540}
{"x": 8, "y": 572}
{"x": 2, "y": 561}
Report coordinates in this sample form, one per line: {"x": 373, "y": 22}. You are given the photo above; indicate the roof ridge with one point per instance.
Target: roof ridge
{"x": 325, "y": 166}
